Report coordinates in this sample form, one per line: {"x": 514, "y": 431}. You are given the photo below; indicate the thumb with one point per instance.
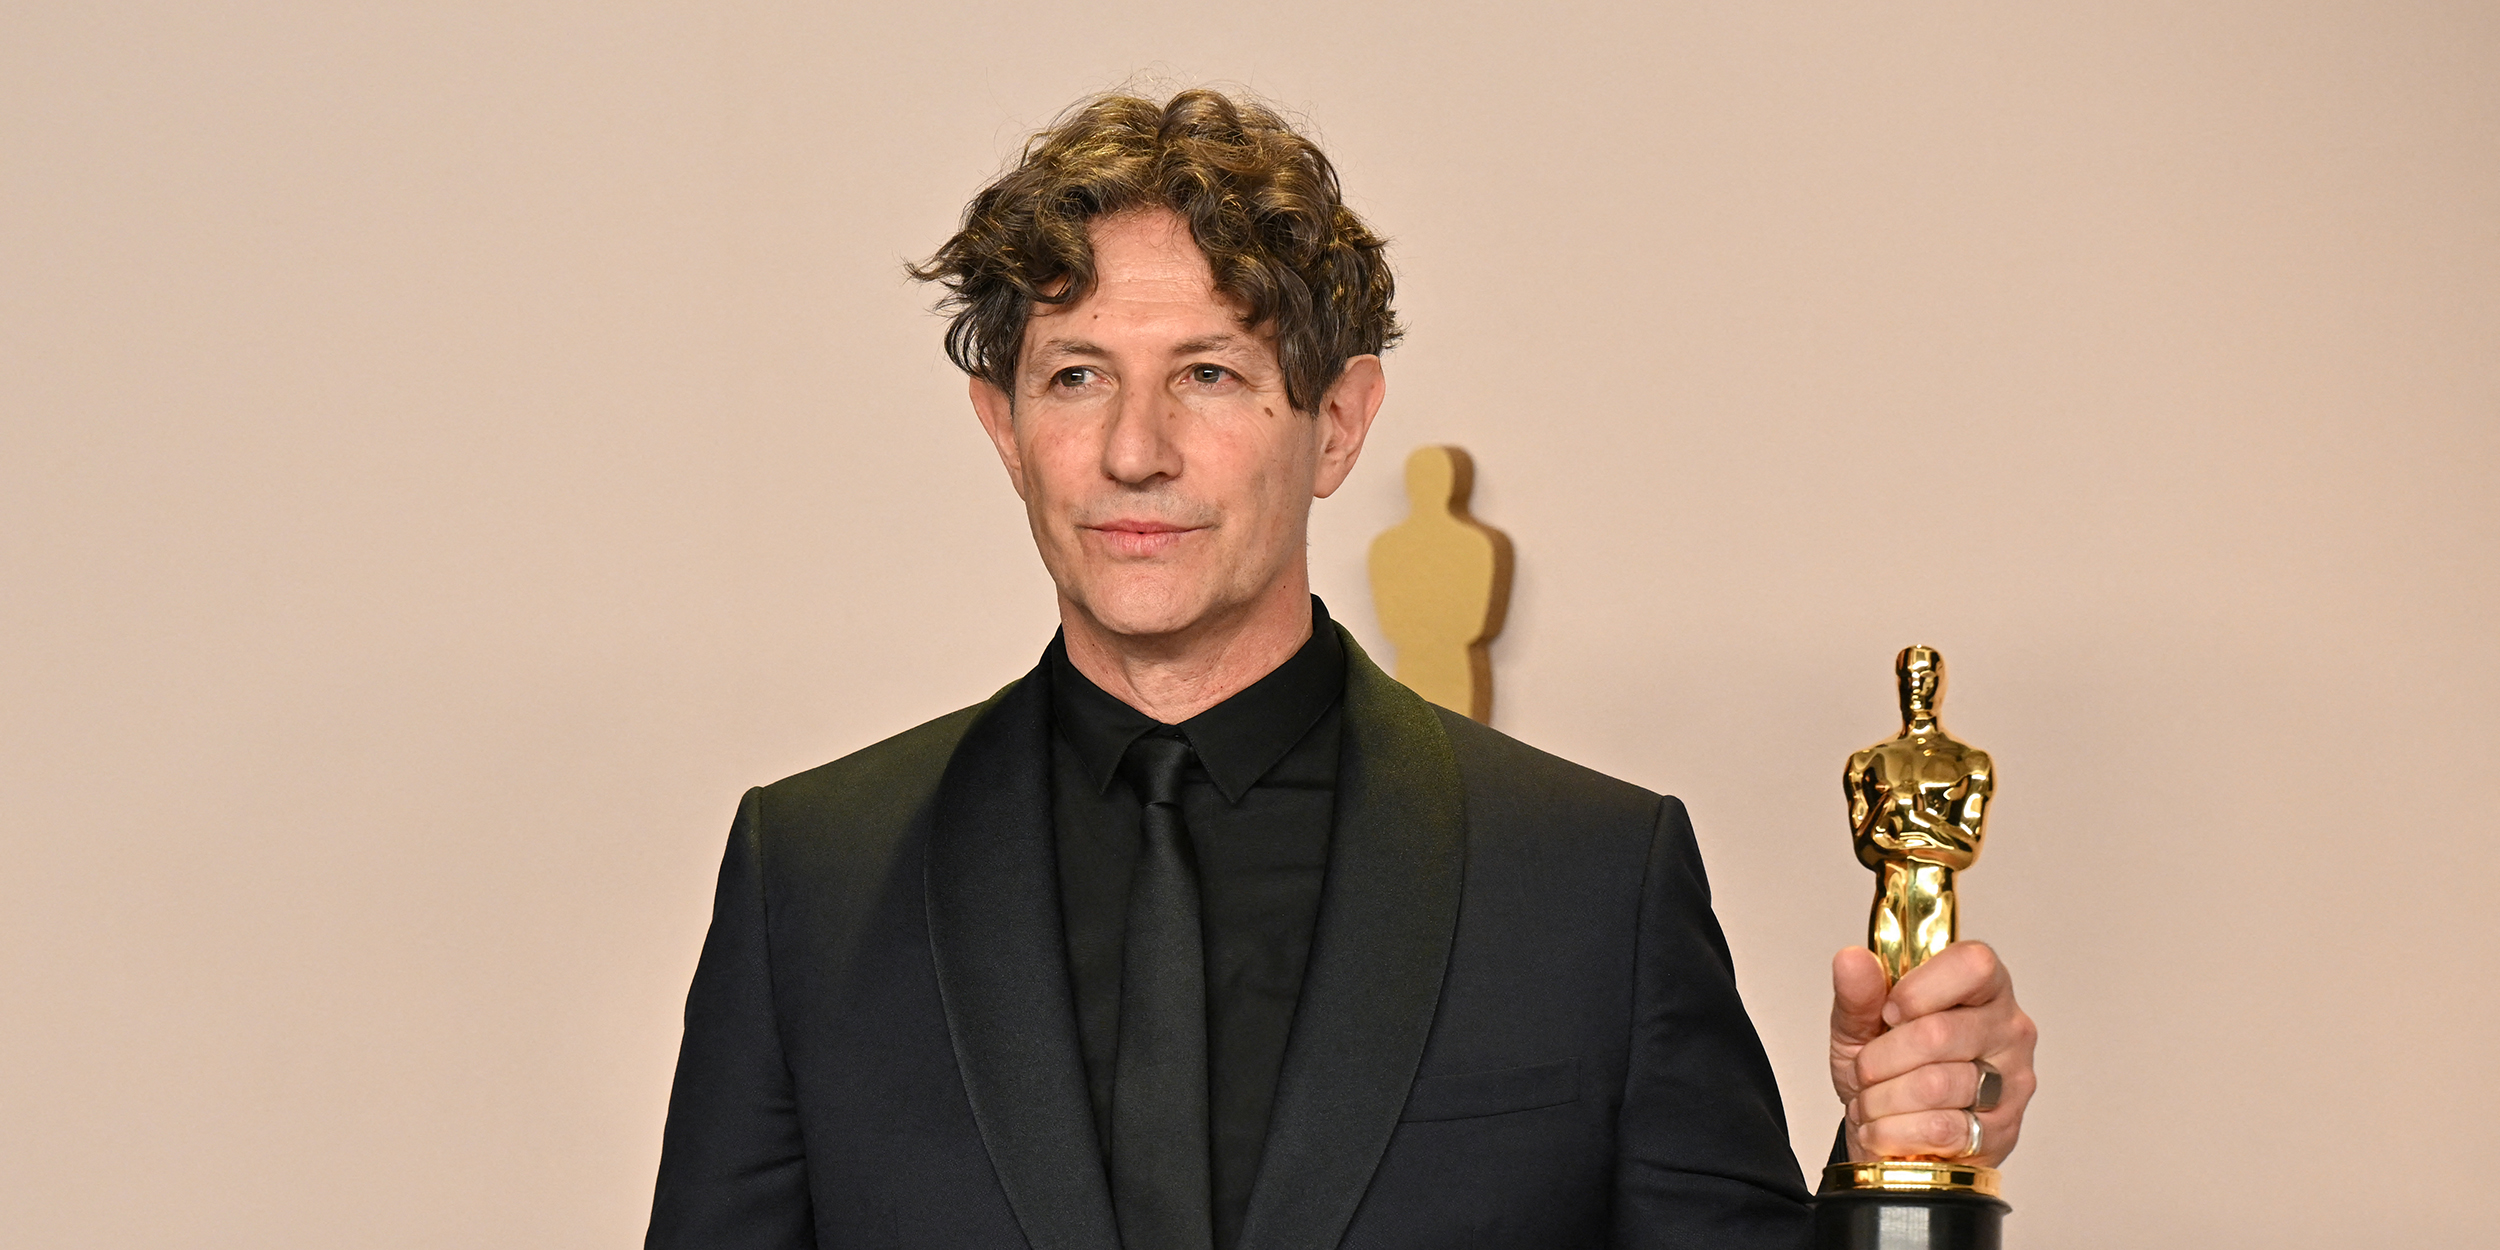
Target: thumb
{"x": 1859, "y": 989}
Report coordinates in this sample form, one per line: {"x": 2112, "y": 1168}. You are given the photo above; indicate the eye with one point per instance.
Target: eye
{"x": 1208, "y": 375}
{"x": 1073, "y": 376}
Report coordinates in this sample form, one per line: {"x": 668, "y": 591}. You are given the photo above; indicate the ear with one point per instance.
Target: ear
{"x": 998, "y": 419}
{"x": 1345, "y": 420}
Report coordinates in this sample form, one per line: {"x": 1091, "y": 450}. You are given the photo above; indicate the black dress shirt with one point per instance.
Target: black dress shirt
{"x": 1258, "y": 802}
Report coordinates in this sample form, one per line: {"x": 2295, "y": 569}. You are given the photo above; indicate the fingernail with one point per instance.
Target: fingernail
{"x": 1892, "y": 1013}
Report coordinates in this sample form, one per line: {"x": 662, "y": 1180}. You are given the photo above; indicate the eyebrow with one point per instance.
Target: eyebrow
{"x": 1210, "y": 343}
{"x": 1063, "y": 349}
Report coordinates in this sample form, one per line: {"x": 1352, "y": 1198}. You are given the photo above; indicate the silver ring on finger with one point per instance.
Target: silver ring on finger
{"x": 1977, "y": 1130}
{"x": 1991, "y": 1087}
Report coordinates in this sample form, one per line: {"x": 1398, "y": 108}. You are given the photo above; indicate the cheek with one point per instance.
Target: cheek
{"x": 1056, "y": 467}
{"x": 1292, "y": 467}
{"x": 1275, "y": 486}
{"x": 1257, "y": 475}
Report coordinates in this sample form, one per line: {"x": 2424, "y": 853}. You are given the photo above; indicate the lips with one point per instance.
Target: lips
{"x": 1140, "y": 538}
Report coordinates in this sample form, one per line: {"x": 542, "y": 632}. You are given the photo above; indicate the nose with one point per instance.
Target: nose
{"x": 1139, "y": 447}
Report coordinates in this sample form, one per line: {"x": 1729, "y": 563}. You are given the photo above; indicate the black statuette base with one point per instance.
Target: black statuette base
{"x": 1875, "y": 1219}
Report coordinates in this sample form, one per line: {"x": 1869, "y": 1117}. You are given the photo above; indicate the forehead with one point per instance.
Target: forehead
{"x": 1153, "y": 290}
{"x": 1150, "y": 248}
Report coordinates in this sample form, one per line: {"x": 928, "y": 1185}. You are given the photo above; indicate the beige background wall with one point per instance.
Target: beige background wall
{"x": 447, "y": 451}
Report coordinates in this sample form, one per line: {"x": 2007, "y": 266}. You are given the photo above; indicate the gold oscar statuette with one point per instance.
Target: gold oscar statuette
{"x": 1918, "y": 809}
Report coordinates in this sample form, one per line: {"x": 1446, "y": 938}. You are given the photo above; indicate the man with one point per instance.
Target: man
{"x": 1205, "y": 934}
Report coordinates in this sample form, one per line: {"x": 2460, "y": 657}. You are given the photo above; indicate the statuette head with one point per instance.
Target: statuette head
{"x": 1921, "y": 671}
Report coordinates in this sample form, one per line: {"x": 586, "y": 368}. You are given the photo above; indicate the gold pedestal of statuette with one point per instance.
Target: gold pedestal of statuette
{"x": 1912, "y": 1176}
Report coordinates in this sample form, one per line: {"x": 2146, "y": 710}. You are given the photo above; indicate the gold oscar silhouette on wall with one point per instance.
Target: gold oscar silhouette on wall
{"x": 1441, "y": 581}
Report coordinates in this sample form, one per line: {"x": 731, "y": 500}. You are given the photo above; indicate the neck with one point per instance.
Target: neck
{"x": 1174, "y": 676}
{"x": 1918, "y": 720}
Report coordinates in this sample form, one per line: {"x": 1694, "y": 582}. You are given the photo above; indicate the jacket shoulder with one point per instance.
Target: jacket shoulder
{"x": 878, "y": 786}
{"x": 1507, "y": 777}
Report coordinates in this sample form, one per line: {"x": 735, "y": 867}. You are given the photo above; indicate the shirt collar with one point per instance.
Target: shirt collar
{"x": 1237, "y": 741}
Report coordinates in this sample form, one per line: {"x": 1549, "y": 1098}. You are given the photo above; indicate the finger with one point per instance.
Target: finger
{"x": 1858, "y": 996}
{"x": 1938, "y": 1135}
{"x": 1959, "y": 1035}
{"x": 1998, "y": 1031}
{"x": 1935, "y": 1087}
{"x": 1911, "y": 1093}
{"x": 1922, "y": 1134}
{"x": 1965, "y": 974}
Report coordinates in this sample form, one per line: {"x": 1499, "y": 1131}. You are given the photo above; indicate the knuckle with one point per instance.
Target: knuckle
{"x": 1936, "y": 1085}
{"x": 2026, "y": 1032}
{"x": 1933, "y": 1033}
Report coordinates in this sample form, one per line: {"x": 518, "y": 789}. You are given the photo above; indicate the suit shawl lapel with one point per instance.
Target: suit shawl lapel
{"x": 1383, "y": 942}
{"x": 994, "y": 930}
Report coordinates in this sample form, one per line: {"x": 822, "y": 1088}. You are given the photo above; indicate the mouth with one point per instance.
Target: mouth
{"x": 1140, "y": 538}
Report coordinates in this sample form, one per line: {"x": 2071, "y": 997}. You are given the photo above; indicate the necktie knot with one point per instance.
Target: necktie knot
{"x": 1154, "y": 765}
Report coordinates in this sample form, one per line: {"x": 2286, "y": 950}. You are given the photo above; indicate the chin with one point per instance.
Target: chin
{"x": 1147, "y": 620}
{"x": 1148, "y": 607}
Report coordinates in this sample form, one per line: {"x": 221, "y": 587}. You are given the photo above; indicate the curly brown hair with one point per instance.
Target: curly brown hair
{"x": 1261, "y": 201}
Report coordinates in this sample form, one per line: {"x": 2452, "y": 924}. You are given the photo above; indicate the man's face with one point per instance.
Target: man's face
{"x": 1167, "y": 479}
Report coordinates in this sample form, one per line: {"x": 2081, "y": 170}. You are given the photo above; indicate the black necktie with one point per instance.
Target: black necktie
{"x": 1159, "y": 1185}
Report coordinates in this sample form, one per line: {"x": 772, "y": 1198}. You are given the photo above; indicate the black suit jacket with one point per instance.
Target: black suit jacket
{"x": 1519, "y": 1027}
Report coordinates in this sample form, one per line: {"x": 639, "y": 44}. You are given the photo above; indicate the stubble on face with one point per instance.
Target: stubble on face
{"x": 1167, "y": 479}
